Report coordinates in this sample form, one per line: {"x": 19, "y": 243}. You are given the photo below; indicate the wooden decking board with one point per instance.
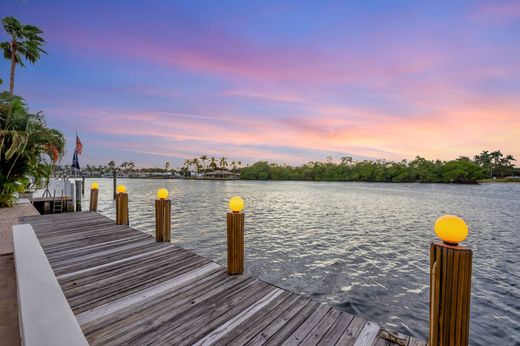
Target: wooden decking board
{"x": 155, "y": 325}
{"x": 104, "y": 255}
{"x": 259, "y": 331}
{"x": 114, "y": 312}
{"x": 127, "y": 289}
{"x": 100, "y": 295}
{"x": 58, "y": 255}
{"x": 278, "y": 331}
{"x": 251, "y": 326}
{"x": 71, "y": 265}
{"x": 367, "y": 335}
{"x": 304, "y": 329}
{"x": 230, "y": 310}
{"x": 351, "y": 333}
{"x": 109, "y": 268}
{"x": 84, "y": 246}
{"x": 212, "y": 307}
{"x": 158, "y": 312}
{"x": 336, "y": 330}
{"x": 321, "y": 328}
{"x": 249, "y": 315}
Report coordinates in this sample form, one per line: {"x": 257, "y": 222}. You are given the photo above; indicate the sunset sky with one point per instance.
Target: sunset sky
{"x": 157, "y": 81}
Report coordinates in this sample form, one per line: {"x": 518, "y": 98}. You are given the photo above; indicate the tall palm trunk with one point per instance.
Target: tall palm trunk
{"x": 13, "y": 66}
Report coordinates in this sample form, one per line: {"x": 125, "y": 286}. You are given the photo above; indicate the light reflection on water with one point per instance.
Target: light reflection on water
{"x": 361, "y": 246}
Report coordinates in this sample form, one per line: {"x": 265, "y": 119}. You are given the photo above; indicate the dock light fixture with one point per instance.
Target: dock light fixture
{"x": 163, "y": 212}
{"x": 122, "y": 217}
{"x": 450, "y": 283}
{"x": 235, "y": 236}
{"x": 94, "y": 190}
{"x": 162, "y": 194}
{"x": 451, "y": 229}
{"x": 121, "y": 188}
{"x": 236, "y": 204}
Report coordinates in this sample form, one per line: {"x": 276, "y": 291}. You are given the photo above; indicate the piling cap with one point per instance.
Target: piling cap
{"x": 451, "y": 229}
{"x": 236, "y": 204}
{"x": 162, "y": 194}
{"x": 94, "y": 186}
{"x": 121, "y": 188}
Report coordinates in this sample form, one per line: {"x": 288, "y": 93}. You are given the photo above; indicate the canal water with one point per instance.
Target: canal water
{"x": 363, "y": 247}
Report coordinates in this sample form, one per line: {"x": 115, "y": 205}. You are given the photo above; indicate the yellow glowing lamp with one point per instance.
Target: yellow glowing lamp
{"x": 451, "y": 229}
{"x": 94, "y": 186}
{"x": 236, "y": 204}
{"x": 121, "y": 189}
{"x": 162, "y": 194}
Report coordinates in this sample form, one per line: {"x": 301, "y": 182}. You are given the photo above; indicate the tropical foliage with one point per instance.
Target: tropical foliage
{"x": 461, "y": 170}
{"x": 25, "y": 43}
{"x": 28, "y": 148}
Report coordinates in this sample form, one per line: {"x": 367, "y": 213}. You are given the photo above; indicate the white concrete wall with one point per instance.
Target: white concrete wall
{"x": 45, "y": 315}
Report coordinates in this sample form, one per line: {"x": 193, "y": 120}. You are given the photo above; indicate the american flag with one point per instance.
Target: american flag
{"x": 79, "y": 146}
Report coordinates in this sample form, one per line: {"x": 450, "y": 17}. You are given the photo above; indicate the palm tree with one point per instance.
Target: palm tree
{"x": 204, "y": 158}
{"x": 222, "y": 162}
{"x": 213, "y": 163}
{"x": 345, "y": 160}
{"x": 25, "y": 144}
{"x": 187, "y": 164}
{"x": 195, "y": 162}
{"x": 112, "y": 165}
{"x": 25, "y": 42}
{"x": 234, "y": 165}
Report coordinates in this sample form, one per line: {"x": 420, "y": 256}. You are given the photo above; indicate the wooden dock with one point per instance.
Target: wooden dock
{"x": 125, "y": 288}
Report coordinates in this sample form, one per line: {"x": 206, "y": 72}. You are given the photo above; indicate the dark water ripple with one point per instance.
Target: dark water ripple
{"x": 363, "y": 247}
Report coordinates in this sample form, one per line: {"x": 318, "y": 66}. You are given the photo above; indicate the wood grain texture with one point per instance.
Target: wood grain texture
{"x": 122, "y": 209}
{"x": 163, "y": 223}
{"x": 93, "y": 200}
{"x": 450, "y": 294}
{"x": 126, "y": 288}
{"x": 235, "y": 243}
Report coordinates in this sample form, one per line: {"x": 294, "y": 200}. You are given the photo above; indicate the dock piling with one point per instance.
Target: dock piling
{"x": 235, "y": 237}
{"x": 77, "y": 194}
{"x": 94, "y": 197}
{"x": 163, "y": 211}
{"x": 115, "y": 183}
{"x": 450, "y": 284}
{"x": 121, "y": 206}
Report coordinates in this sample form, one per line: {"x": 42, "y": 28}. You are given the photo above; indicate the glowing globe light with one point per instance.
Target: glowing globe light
{"x": 162, "y": 194}
{"x": 94, "y": 186}
{"x": 121, "y": 189}
{"x": 236, "y": 204}
{"x": 451, "y": 229}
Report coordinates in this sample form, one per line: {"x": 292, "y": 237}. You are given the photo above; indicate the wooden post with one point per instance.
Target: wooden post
{"x": 83, "y": 185}
{"x": 122, "y": 209}
{"x": 450, "y": 294}
{"x": 235, "y": 242}
{"x": 93, "y": 199}
{"x": 115, "y": 184}
{"x": 77, "y": 195}
{"x": 163, "y": 211}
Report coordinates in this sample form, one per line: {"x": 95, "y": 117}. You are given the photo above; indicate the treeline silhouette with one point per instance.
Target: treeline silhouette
{"x": 461, "y": 170}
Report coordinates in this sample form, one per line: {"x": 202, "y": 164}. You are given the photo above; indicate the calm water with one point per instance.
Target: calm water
{"x": 361, "y": 246}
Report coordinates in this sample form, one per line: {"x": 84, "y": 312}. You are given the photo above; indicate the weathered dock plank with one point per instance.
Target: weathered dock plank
{"x": 125, "y": 288}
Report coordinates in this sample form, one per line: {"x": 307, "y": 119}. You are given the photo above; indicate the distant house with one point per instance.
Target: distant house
{"x": 222, "y": 175}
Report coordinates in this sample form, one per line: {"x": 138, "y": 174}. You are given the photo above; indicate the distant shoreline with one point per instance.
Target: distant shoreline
{"x": 499, "y": 180}
{"x": 484, "y": 181}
